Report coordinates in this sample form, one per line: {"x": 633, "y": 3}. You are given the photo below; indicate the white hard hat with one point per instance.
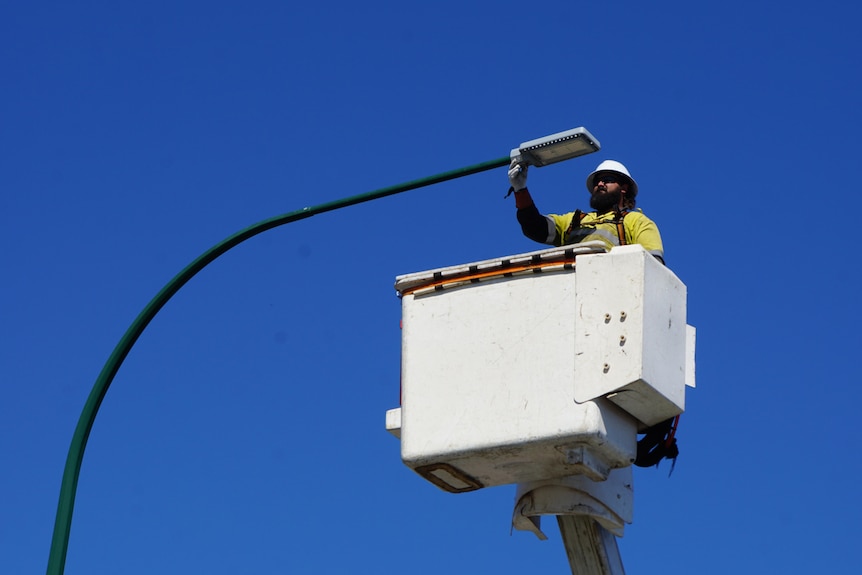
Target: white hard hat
{"x": 616, "y": 167}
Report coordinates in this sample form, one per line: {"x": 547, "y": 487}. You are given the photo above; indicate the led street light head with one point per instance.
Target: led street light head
{"x": 556, "y": 148}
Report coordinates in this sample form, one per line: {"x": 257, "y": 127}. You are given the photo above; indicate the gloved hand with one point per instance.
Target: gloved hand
{"x": 518, "y": 175}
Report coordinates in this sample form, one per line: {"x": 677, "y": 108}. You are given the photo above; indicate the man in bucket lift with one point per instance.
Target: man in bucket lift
{"x": 614, "y": 222}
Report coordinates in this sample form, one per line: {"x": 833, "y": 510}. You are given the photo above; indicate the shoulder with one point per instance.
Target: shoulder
{"x": 644, "y": 231}
{"x": 559, "y": 218}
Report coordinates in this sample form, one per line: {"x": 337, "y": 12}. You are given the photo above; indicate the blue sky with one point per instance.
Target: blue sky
{"x": 245, "y": 431}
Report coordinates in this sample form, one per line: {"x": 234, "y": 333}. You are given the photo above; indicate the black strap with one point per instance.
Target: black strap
{"x": 576, "y": 220}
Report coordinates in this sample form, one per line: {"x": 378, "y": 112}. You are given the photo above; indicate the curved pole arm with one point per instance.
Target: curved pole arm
{"x": 63, "y": 521}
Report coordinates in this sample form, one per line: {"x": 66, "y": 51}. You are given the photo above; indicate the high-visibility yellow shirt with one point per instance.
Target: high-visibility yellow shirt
{"x": 639, "y": 229}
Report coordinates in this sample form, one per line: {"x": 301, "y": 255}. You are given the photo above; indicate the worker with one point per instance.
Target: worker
{"x": 614, "y": 221}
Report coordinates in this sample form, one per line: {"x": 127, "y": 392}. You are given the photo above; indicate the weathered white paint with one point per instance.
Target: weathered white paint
{"x": 630, "y": 336}
{"x": 543, "y": 380}
{"x": 487, "y": 373}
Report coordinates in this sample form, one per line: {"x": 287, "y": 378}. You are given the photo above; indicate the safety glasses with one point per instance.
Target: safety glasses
{"x": 606, "y": 178}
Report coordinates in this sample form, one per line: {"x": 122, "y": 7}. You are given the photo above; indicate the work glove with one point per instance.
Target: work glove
{"x": 518, "y": 176}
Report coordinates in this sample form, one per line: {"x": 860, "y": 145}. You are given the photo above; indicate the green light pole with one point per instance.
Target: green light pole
{"x": 540, "y": 152}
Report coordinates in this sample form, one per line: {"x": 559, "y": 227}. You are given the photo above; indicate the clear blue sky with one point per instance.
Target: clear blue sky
{"x": 245, "y": 431}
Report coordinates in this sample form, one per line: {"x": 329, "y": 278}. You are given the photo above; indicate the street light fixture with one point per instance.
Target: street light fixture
{"x": 556, "y": 148}
{"x": 540, "y": 152}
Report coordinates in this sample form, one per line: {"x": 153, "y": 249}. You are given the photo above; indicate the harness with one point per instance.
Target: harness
{"x": 619, "y": 217}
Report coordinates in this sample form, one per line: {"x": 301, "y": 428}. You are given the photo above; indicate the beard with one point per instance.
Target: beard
{"x": 605, "y": 202}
